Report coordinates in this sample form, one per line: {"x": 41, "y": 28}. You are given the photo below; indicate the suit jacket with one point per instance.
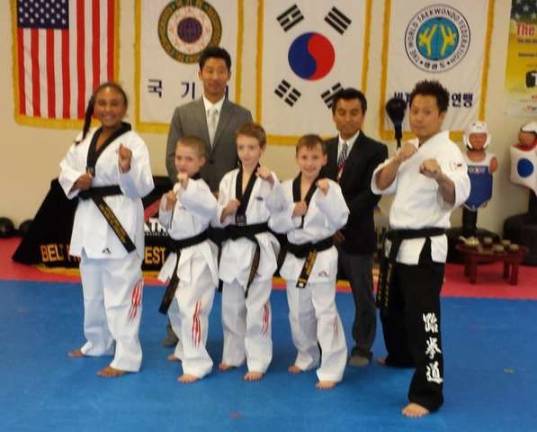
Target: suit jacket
{"x": 191, "y": 119}
{"x": 366, "y": 154}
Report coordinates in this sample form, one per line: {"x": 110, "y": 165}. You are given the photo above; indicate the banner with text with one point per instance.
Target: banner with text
{"x": 448, "y": 41}
{"x": 170, "y": 36}
{"x": 521, "y": 71}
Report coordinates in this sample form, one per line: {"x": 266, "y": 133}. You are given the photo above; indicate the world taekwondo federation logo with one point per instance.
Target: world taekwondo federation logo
{"x": 437, "y": 38}
{"x": 187, "y": 27}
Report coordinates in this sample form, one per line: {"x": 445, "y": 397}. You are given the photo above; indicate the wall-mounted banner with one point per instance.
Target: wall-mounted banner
{"x": 521, "y": 72}
{"x": 62, "y": 50}
{"x": 448, "y": 41}
{"x": 170, "y": 36}
{"x": 307, "y": 51}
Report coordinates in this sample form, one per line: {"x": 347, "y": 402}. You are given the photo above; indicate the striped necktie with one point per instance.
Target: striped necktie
{"x": 342, "y": 157}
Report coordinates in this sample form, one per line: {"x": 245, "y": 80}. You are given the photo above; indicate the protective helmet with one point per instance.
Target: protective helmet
{"x": 530, "y": 127}
{"x": 475, "y": 128}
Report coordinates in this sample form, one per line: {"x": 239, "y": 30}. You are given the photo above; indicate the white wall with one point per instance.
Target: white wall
{"x": 29, "y": 156}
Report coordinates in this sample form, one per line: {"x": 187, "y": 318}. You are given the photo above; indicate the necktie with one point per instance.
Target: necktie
{"x": 212, "y": 123}
{"x": 342, "y": 157}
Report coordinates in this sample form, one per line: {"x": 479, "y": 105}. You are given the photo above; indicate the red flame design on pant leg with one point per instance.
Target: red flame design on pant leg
{"x": 196, "y": 325}
{"x": 136, "y": 298}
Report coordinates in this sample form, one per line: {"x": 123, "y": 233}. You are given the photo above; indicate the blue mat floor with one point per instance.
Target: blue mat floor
{"x": 490, "y": 373}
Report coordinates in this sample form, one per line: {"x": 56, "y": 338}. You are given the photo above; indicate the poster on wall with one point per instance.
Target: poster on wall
{"x": 521, "y": 70}
{"x": 169, "y": 38}
{"x": 62, "y": 50}
{"x": 448, "y": 41}
{"x": 306, "y": 52}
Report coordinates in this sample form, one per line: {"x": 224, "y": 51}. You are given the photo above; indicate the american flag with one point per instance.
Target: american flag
{"x": 65, "y": 48}
{"x": 524, "y": 10}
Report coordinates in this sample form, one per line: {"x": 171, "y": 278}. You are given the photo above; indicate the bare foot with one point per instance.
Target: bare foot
{"x": 414, "y": 410}
{"x": 225, "y": 367}
{"x": 381, "y": 361}
{"x": 325, "y": 385}
{"x": 253, "y": 376}
{"x": 110, "y": 372}
{"x": 294, "y": 369}
{"x": 76, "y": 353}
{"x": 173, "y": 358}
{"x": 187, "y": 378}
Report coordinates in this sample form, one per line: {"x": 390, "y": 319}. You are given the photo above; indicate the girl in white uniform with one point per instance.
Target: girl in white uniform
{"x": 186, "y": 212}
{"x": 310, "y": 210}
{"x": 108, "y": 170}
{"x": 248, "y": 257}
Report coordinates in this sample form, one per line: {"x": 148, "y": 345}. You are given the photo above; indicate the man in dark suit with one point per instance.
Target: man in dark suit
{"x": 352, "y": 158}
{"x": 214, "y": 119}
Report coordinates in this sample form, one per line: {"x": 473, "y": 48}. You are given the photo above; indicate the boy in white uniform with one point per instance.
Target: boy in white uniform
{"x": 191, "y": 268}
{"x": 108, "y": 169}
{"x": 310, "y": 210}
{"x": 248, "y": 257}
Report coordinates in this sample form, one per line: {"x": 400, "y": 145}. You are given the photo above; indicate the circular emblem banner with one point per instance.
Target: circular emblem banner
{"x": 437, "y": 38}
{"x": 186, "y": 29}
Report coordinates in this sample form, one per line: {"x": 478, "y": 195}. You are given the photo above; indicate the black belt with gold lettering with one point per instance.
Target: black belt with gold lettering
{"x": 176, "y": 246}
{"x": 387, "y": 263}
{"x": 97, "y": 194}
{"x": 234, "y": 232}
{"x": 309, "y": 251}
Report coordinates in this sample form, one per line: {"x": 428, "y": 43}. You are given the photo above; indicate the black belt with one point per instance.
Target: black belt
{"x": 309, "y": 251}
{"x": 235, "y": 232}
{"x": 101, "y": 191}
{"x": 176, "y": 246}
{"x": 387, "y": 262}
{"x": 97, "y": 194}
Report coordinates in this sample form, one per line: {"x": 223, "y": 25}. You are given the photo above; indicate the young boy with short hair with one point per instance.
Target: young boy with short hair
{"x": 310, "y": 209}
{"x": 191, "y": 268}
{"x": 248, "y": 257}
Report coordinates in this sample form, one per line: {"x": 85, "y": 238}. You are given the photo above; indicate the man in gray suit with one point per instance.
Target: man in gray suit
{"x": 214, "y": 119}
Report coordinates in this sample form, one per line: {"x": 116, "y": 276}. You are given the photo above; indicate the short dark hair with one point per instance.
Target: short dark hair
{"x": 253, "y": 130}
{"x": 214, "y": 52}
{"x": 193, "y": 142}
{"x": 431, "y": 88}
{"x": 348, "y": 94}
{"x": 310, "y": 141}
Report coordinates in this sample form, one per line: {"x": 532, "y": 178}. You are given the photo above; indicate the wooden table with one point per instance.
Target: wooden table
{"x": 474, "y": 256}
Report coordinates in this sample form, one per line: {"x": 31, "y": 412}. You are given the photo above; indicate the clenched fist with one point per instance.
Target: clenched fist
{"x": 182, "y": 178}
{"x": 124, "y": 158}
{"x": 323, "y": 185}
{"x": 83, "y": 182}
{"x": 265, "y": 174}
{"x": 430, "y": 168}
{"x": 171, "y": 200}
{"x": 300, "y": 209}
{"x": 405, "y": 152}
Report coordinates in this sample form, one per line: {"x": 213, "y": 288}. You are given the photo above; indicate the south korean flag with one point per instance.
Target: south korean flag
{"x": 309, "y": 51}
{"x": 524, "y": 167}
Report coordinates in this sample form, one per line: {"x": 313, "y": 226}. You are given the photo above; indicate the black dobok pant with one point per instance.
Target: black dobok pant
{"x": 411, "y": 327}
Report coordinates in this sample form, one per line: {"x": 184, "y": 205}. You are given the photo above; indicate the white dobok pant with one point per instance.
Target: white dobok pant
{"x": 314, "y": 319}
{"x": 189, "y": 316}
{"x": 247, "y": 323}
{"x": 112, "y": 290}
